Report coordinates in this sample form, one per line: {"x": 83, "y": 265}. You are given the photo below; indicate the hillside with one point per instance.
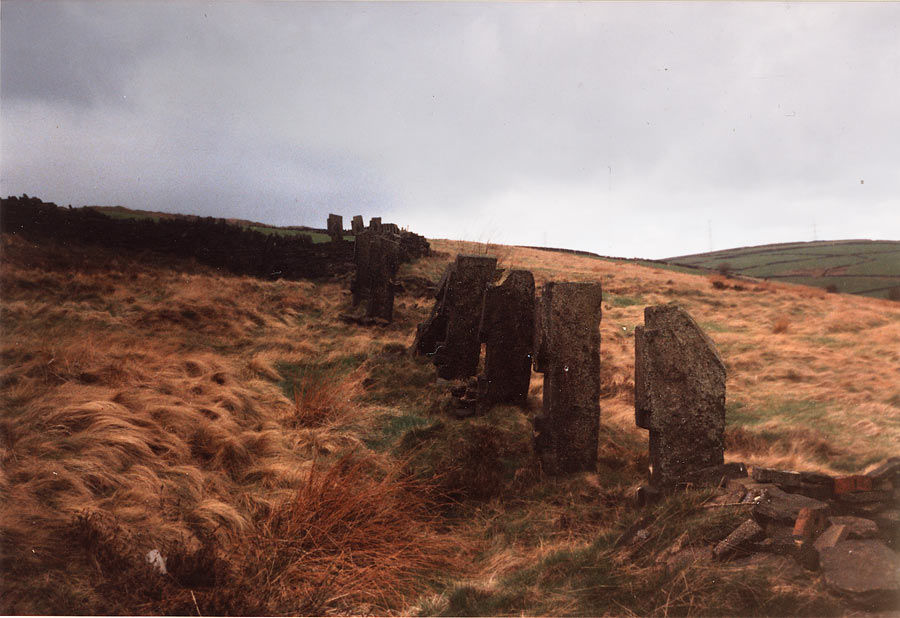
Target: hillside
{"x": 286, "y": 462}
{"x": 866, "y": 267}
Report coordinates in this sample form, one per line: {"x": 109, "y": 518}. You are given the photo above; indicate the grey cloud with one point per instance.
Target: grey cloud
{"x": 462, "y": 118}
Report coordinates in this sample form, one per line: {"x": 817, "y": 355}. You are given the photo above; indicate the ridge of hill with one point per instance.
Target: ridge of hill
{"x": 864, "y": 267}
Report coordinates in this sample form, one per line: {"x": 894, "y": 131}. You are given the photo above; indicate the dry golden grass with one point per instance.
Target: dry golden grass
{"x": 158, "y": 404}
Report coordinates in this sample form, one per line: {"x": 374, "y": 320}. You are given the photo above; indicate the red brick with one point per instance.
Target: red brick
{"x": 851, "y": 484}
{"x": 810, "y": 524}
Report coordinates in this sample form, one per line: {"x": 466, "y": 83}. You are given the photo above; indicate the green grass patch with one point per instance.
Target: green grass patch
{"x": 392, "y": 427}
{"x": 294, "y": 374}
{"x": 623, "y": 301}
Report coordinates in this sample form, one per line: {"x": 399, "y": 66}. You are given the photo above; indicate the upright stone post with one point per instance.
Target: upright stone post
{"x": 679, "y": 395}
{"x": 457, "y": 356}
{"x": 507, "y": 329}
{"x": 356, "y": 225}
{"x": 361, "y": 286}
{"x": 384, "y": 261}
{"x": 375, "y": 225}
{"x": 336, "y": 227}
{"x": 567, "y": 352}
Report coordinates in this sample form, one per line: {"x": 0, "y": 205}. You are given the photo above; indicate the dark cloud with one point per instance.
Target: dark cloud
{"x": 618, "y": 127}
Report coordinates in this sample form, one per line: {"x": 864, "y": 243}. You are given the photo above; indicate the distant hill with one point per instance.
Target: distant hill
{"x": 865, "y": 267}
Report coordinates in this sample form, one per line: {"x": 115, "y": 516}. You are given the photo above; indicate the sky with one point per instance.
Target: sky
{"x": 633, "y": 129}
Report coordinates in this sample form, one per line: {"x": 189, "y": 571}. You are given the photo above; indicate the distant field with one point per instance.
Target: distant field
{"x": 866, "y": 267}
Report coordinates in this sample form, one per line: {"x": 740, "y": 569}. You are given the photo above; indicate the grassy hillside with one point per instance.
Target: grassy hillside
{"x": 866, "y": 267}
{"x": 285, "y": 462}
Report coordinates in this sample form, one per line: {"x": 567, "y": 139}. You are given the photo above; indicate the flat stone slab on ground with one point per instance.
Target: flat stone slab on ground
{"x": 861, "y": 567}
{"x": 777, "y": 504}
{"x": 857, "y": 527}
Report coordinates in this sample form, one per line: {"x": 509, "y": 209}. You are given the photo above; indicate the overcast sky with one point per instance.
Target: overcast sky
{"x": 631, "y": 129}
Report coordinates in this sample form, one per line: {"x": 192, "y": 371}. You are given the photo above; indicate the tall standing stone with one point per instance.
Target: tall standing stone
{"x": 567, "y": 352}
{"x": 375, "y": 225}
{"x": 679, "y": 395}
{"x": 336, "y": 227}
{"x": 361, "y": 286}
{"x": 377, "y": 259}
{"x": 452, "y": 329}
{"x": 384, "y": 261}
{"x": 507, "y": 329}
{"x": 357, "y": 226}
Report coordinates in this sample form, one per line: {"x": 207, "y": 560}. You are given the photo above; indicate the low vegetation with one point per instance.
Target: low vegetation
{"x": 866, "y": 267}
{"x": 284, "y": 462}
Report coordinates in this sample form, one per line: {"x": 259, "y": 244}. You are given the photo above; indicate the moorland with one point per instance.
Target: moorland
{"x": 286, "y": 462}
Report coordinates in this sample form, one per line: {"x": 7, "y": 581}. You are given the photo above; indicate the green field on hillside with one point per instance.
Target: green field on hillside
{"x": 118, "y": 212}
{"x": 867, "y": 267}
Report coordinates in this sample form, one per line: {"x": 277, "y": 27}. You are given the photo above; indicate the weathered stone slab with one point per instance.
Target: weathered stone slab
{"x": 778, "y": 505}
{"x": 375, "y": 225}
{"x": 377, "y": 259}
{"x": 383, "y": 265}
{"x": 861, "y": 568}
{"x": 336, "y": 227}
{"x": 567, "y": 352}
{"x": 357, "y": 226}
{"x": 889, "y": 470}
{"x": 507, "y": 329}
{"x": 831, "y": 537}
{"x": 458, "y": 354}
{"x": 431, "y": 332}
{"x": 679, "y": 394}
{"x": 857, "y": 527}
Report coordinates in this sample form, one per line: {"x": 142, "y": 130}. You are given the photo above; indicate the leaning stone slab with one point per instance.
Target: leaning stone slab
{"x": 431, "y": 332}
{"x": 740, "y": 538}
{"x": 458, "y": 354}
{"x": 831, "y": 537}
{"x": 567, "y": 352}
{"x": 507, "y": 329}
{"x": 679, "y": 394}
{"x": 861, "y": 568}
{"x": 357, "y": 226}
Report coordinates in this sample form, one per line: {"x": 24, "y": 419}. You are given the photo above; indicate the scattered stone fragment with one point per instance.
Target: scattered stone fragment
{"x": 779, "y": 505}
{"x": 850, "y": 484}
{"x": 567, "y": 352}
{"x": 831, "y": 537}
{"x": 861, "y": 568}
{"x": 507, "y": 329}
{"x": 857, "y": 527}
{"x": 679, "y": 394}
{"x": 810, "y": 524}
{"x": 336, "y": 227}
{"x": 739, "y": 539}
